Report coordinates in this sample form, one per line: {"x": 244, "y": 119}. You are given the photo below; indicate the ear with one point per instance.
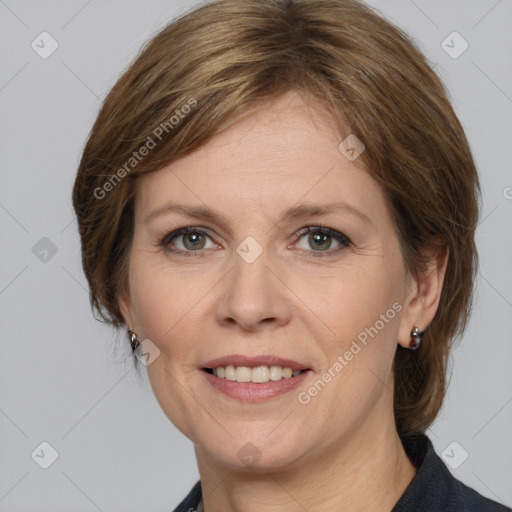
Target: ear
{"x": 423, "y": 295}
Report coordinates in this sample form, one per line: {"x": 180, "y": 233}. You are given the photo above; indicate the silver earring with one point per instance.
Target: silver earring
{"x": 134, "y": 342}
{"x": 416, "y": 335}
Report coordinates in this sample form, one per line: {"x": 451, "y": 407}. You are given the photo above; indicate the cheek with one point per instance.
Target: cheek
{"x": 360, "y": 311}
{"x": 163, "y": 302}
{"x": 354, "y": 299}
{"x": 163, "y": 295}
{"x": 361, "y": 314}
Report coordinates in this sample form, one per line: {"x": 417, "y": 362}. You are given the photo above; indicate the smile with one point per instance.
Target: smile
{"x": 254, "y": 378}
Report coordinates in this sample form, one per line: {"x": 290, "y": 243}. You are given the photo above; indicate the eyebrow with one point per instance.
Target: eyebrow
{"x": 296, "y": 212}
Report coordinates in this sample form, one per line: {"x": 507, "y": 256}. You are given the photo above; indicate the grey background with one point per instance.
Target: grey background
{"x": 61, "y": 380}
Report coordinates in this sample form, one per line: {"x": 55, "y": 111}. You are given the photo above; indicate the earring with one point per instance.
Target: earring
{"x": 416, "y": 335}
{"x": 134, "y": 342}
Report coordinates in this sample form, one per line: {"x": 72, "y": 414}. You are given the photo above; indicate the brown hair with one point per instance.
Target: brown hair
{"x": 222, "y": 60}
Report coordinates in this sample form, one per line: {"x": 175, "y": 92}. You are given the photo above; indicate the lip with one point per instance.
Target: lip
{"x": 263, "y": 360}
{"x": 252, "y": 391}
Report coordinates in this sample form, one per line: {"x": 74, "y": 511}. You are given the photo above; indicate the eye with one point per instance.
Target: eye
{"x": 321, "y": 240}
{"x": 187, "y": 240}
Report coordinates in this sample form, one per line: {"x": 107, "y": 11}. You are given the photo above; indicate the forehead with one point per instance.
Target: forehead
{"x": 285, "y": 153}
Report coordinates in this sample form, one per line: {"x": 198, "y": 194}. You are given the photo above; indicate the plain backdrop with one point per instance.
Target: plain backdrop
{"x": 61, "y": 380}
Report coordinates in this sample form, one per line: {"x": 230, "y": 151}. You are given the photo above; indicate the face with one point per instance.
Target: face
{"x": 265, "y": 281}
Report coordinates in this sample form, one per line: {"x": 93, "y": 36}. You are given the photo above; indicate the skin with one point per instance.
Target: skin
{"x": 341, "y": 450}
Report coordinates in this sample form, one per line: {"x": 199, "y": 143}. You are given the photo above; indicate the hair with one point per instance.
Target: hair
{"x": 223, "y": 60}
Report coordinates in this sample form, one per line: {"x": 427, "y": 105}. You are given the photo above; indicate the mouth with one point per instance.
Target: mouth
{"x": 254, "y": 379}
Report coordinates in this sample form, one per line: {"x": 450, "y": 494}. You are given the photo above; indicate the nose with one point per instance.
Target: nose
{"x": 253, "y": 296}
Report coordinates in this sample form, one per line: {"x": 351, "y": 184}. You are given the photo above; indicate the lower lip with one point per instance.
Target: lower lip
{"x": 252, "y": 391}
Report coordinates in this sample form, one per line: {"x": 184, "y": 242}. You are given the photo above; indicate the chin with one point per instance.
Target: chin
{"x": 245, "y": 452}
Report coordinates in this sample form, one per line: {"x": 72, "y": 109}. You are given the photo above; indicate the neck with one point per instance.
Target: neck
{"x": 368, "y": 470}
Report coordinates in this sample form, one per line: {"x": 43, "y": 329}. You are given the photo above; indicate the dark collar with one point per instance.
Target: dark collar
{"x": 433, "y": 488}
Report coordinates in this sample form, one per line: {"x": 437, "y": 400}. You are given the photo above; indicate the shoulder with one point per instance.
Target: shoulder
{"x": 466, "y": 499}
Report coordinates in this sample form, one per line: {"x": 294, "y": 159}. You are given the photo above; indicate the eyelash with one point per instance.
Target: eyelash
{"x": 340, "y": 237}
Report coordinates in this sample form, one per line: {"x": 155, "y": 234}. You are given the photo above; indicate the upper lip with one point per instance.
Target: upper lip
{"x": 263, "y": 360}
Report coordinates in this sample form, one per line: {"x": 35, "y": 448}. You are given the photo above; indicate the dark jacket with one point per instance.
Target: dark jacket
{"x": 433, "y": 488}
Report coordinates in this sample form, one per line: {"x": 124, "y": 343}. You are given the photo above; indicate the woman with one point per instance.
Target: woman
{"x": 278, "y": 203}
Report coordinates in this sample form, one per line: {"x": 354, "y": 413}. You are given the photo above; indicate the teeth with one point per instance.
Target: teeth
{"x": 243, "y": 374}
{"x": 276, "y": 373}
{"x": 287, "y": 373}
{"x": 259, "y": 374}
{"x": 230, "y": 373}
